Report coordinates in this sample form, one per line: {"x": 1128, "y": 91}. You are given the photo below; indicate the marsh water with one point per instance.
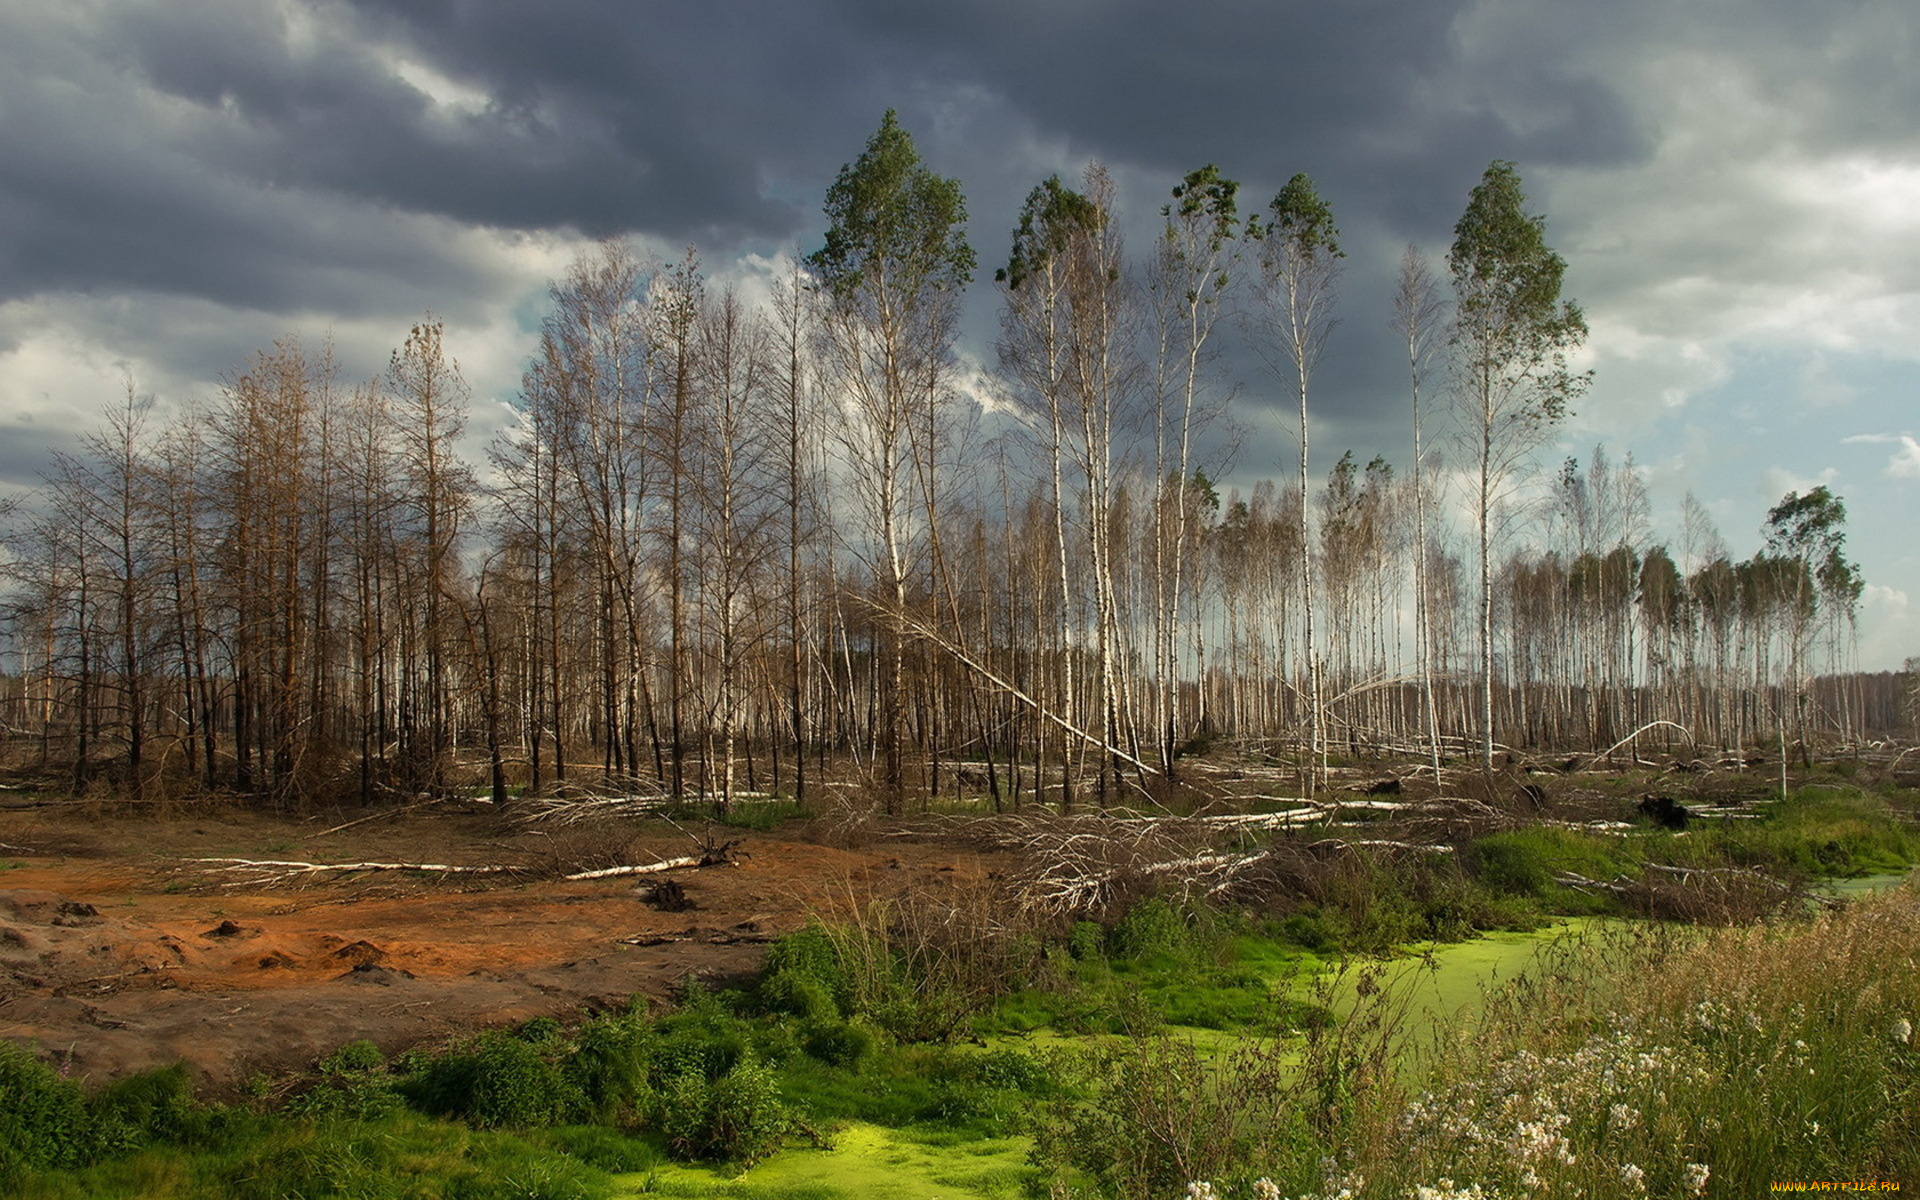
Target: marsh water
{"x": 869, "y": 1162}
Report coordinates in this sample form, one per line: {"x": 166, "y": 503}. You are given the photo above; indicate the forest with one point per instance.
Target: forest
{"x": 741, "y": 543}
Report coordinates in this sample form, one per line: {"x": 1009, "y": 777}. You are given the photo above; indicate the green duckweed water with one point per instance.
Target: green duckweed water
{"x": 867, "y": 1161}
{"x": 870, "y": 1162}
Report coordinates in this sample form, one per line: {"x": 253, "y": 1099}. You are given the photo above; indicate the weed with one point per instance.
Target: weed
{"x": 738, "y": 1117}
{"x": 497, "y": 1080}
{"x": 44, "y": 1120}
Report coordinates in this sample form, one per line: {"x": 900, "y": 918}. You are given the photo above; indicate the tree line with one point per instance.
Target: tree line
{"x": 739, "y": 544}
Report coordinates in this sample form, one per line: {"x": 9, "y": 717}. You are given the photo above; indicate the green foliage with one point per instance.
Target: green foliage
{"x": 893, "y": 226}
{"x": 609, "y": 1066}
{"x": 498, "y": 1080}
{"x": 738, "y": 1117}
{"x": 1207, "y": 199}
{"x": 802, "y": 976}
{"x": 403, "y": 1158}
{"x": 798, "y": 994}
{"x": 1510, "y": 866}
{"x": 352, "y": 1058}
{"x": 1087, "y": 941}
{"x": 1052, "y": 217}
{"x": 604, "y": 1149}
{"x": 810, "y": 952}
{"x": 1312, "y": 930}
{"x": 1524, "y": 863}
{"x": 1508, "y": 283}
{"x": 1155, "y": 929}
{"x": 44, "y": 1120}
{"x": 1728, "y": 1058}
{"x": 1813, "y": 833}
{"x": 353, "y": 1084}
{"x": 990, "y": 1090}
{"x": 846, "y": 1044}
{"x": 1155, "y": 1113}
{"x": 702, "y": 1037}
{"x": 1300, "y": 228}
{"x": 540, "y": 1031}
{"x": 151, "y": 1107}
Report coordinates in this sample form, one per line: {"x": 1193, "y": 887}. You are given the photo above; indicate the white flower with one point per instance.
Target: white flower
{"x": 1446, "y": 1191}
{"x": 1902, "y": 1031}
{"x": 1199, "y": 1189}
{"x": 1633, "y": 1177}
{"x": 1696, "y": 1177}
{"x": 1622, "y": 1116}
{"x": 1265, "y": 1189}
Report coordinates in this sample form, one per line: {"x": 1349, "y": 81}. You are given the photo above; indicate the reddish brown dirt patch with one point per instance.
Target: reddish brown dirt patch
{"x": 119, "y": 953}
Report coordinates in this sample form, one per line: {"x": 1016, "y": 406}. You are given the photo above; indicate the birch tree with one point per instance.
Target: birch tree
{"x": 1513, "y": 336}
{"x": 1300, "y": 275}
{"x": 1418, "y": 316}
{"x": 895, "y": 262}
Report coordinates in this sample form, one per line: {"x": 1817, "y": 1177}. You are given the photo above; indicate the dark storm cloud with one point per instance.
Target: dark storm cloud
{"x": 748, "y": 109}
{"x": 108, "y": 186}
{"x": 698, "y": 104}
{"x": 217, "y": 148}
{"x": 1368, "y": 93}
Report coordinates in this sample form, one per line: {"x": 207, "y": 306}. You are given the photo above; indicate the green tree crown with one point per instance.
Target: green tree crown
{"x": 893, "y": 224}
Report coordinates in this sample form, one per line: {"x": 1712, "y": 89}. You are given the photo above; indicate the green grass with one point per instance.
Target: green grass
{"x": 402, "y": 1157}
{"x": 862, "y": 1038}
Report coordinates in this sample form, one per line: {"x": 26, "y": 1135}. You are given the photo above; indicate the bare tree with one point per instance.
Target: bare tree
{"x": 429, "y": 399}
{"x": 1419, "y": 318}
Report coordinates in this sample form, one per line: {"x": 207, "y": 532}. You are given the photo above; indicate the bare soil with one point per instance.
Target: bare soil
{"x": 119, "y": 952}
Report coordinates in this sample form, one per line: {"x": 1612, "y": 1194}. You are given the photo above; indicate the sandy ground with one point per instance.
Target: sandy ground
{"x": 118, "y": 952}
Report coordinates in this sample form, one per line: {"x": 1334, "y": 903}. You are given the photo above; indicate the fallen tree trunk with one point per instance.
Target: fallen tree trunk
{"x": 281, "y": 869}
{"x": 653, "y": 868}
{"x": 712, "y": 854}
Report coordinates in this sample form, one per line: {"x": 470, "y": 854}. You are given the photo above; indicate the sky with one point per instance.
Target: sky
{"x": 1735, "y": 185}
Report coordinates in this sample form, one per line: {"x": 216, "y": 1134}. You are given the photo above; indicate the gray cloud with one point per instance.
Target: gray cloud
{"x": 181, "y": 180}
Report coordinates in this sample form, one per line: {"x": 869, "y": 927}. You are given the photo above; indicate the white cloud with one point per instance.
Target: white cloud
{"x": 1889, "y": 628}
{"x": 1878, "y": 597}
{"x": 1776, "y": 482}
{"x": 1905, "y": 463}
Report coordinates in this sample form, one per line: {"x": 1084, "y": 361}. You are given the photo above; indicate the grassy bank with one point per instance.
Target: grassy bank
{"x": 957, "y": 1041}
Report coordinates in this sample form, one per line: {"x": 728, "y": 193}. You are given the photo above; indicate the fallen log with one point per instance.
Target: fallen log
{"x": 283, "y": 869}
{"x": 712, "y": 854}
{"x": 653, "y": 868}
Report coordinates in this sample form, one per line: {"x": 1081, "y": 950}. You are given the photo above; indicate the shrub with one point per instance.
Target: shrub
{"x": 44, "y": 1120}
{"x": 498, "y": 1080}
{"x": 1158, "y": 1114}
{"x": 1087, "y": 941}
{"x": 737, "y": 1117}
{"x": 352, "y": 1058}
{"x": 846, "y": 1044}
{"x": 1152, "y": 928}
{"x": 798, "y": 994}
{"x": 1509, "y": 864}
{"x": 704, "y": 1039}
{"x": 539, "y": 1031}
{"x": 153, "y": 1106}
{"x": 1311, "y": 929}
{"x": 609, "y": 1066}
